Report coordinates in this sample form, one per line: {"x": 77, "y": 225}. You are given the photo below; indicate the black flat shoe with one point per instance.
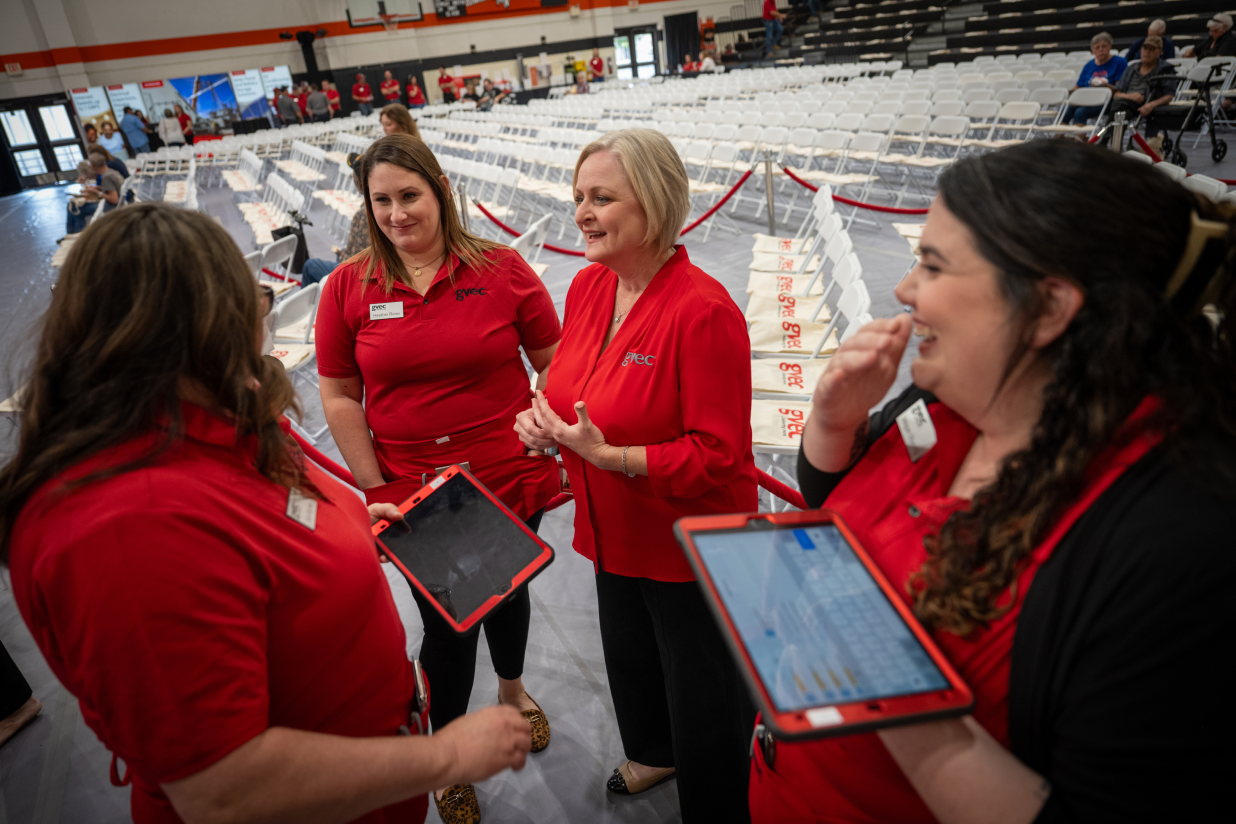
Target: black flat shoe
{"x": 623, "y": 783}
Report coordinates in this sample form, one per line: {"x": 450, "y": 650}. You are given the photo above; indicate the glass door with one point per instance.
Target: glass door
{"x": 635, "y": 53}
{"x": 42, "y": 141}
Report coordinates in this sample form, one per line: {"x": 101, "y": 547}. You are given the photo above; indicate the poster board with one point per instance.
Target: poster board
{"x": 158, "y": 96}
{"x": 125, "y": 94}
{"x": 208, "y": 99}
{"x": 273, "y": 77}
{"x": 93, "y": 107}
{"x": 250, "y": 93}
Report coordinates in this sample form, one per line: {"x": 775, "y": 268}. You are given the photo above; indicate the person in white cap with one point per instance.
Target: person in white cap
{"x": 1221, "y": 43}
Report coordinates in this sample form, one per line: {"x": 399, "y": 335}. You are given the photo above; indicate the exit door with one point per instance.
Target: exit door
{"x": 635, "y": 53}
{"x": 41, "y": 140}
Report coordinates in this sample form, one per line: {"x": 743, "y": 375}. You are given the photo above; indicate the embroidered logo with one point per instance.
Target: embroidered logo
{"x": 460, "y": 294}
{"x": 632, "y": 357}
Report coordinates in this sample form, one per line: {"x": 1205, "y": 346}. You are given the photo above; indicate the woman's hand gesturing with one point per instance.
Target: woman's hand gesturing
{"x": 584, "y": 438}
{"x": 531, "y": 433}
{"x": 860, "y": 373}
{"x": 857, "y": 377}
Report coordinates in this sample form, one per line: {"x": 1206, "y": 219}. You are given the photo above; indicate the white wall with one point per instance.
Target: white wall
{"x": 104, "y": 22}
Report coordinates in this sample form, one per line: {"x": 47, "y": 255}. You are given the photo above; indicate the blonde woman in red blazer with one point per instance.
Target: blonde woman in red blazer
{"x": 649, "y": 397}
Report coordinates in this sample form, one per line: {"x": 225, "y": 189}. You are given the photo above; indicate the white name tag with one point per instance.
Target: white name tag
{"x": 917, "y": 430}
{"x": 385, "y": 311}
{"x": 302, "y": 510}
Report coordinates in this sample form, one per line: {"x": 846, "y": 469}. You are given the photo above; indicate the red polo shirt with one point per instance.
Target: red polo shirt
{"x": 446, "y": 83}
{"x": 676, "y": 378}
{"x": 390, "y": 90}
{"x": 362, "y": 91}
{"x": 333, "y": 97}
{"x": 416, "y": 97}
{"x": 302, "y": 100}
{"x": 598, "y": 67}
{"x": 451, "y": 363}
{"x": 892, "y": 505}
{"x": 770, "y": 6}
{"x": 188, "y": 613}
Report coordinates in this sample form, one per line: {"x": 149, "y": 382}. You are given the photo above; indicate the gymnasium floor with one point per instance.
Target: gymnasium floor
{"x": 57, "y": 771}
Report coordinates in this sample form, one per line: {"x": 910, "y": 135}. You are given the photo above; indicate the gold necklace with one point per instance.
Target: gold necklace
{"x": 417, "y": 273}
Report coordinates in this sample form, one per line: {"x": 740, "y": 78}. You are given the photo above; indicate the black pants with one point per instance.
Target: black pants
{"x": 449, "y": 658}
{"x": 679, "y": 698}
{"x": 14, "y": 691}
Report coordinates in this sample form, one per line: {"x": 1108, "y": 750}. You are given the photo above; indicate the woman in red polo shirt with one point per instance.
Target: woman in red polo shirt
{"x": 186, "y": 123}
{"x": 416, "y": 96}
{"x": 332, "y": 94}
{"x": 650, "y": 398}
{"x": 213, "y": 602}
{"x": 426, "y": 327}
{"x": 1067, "y": 538}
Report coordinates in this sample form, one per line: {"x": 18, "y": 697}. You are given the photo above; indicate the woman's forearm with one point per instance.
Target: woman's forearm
{"x": 833, "y": 450}
{"x": 310, "y": 778}
{"x": 346, "y": 419}
{"x": 609, "y": 458}
{"x": 965, "y": 776}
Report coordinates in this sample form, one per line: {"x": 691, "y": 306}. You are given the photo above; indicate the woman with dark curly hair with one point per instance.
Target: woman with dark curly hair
{"x": 1061, "y": 518}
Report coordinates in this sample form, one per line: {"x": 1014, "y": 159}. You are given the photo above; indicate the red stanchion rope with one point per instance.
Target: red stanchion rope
{"x": 1151, "y": 153}
{"x": 791, "y": 496}
{"x": 313, "y": 454}
{"x": 560, "y": 250}
{"x": 719, "y": 203}
{"x": 514, "y": 233}
{"x": 873, "y": 207}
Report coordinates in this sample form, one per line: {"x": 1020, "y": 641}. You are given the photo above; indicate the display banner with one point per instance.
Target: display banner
{"x": 209, "y": 98}
{"x": 125, "y": 94}
{"x": 159, "y": 96}
{"x": 474, "y": 8}
{"x": 93, "y": 107}
{"x": 273, "y": 77}
{"x": 250, "y": 94}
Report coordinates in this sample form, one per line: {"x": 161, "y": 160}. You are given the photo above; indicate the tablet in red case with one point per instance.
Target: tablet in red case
{"x": 462, "y": 548}
{"x": 825, "y": 642}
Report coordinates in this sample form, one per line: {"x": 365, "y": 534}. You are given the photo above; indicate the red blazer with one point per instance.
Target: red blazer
{"x": 677, "y": 379}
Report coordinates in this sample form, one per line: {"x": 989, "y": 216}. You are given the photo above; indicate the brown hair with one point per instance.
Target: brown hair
{"x": 398, "y": 114}
{"x": 150, "y": 299}
{"x": 98, "y": 148}
{"x": 412, "y": 154}
{"x": 1134, "y": 337}
{"x": 657, "y": 175}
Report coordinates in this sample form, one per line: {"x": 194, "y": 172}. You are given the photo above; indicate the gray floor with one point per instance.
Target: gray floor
{"x": 57, "y": 771}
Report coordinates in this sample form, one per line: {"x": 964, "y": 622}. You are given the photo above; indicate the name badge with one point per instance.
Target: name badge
{"x": 385, "y": 311}
{"x": 917, "y": 430}
{"x": 302, "y": 510}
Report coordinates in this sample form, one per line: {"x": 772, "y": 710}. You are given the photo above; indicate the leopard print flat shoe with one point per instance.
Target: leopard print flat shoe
{"x": 458, "y": 805}
{"x": 540, "y": 725}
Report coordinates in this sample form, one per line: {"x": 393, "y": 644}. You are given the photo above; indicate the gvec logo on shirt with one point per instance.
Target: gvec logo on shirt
{"x": 632, "y": 357}
{"x": 460, "y": 294}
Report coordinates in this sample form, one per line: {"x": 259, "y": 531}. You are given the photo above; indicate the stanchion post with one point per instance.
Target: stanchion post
{"x": 462, "y": 191}
{"x": 772, "y": 216}
{"x": 1118, "y": 132}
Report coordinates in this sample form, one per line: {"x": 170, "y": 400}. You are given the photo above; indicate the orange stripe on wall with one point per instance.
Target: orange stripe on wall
{"x": 253, "y": 37}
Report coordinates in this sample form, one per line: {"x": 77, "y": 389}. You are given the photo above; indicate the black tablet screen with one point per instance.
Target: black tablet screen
{"x": 815, "y": 623}
{"x": 460, "y": 546}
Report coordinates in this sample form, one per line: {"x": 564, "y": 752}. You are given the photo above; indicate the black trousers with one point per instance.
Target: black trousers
{"x": 14, "y": 690}
{"x": 449, "y": 658}
{"x": 679, "y": 698}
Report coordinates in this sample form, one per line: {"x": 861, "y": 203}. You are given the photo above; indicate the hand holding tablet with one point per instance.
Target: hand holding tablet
{"x": 461, "y": 548}
{"x": 826, "y": 644}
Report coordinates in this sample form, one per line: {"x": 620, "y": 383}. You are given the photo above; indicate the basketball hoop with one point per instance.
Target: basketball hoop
{"x": 389, "y": 21}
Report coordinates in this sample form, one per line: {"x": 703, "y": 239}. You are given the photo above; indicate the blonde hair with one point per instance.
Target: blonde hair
{"x": 657, "y": 175}
{"x": 412, "y": 154}
{"x": 398, "y": 114}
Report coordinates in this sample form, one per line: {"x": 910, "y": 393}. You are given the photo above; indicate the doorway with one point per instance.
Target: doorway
{"x": 635, "y": 53}
{"x": 41, "y": 140}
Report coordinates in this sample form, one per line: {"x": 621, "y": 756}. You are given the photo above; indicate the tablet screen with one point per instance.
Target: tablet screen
{"x": 815, "y": 623}
{"x": 460, "y": 546}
